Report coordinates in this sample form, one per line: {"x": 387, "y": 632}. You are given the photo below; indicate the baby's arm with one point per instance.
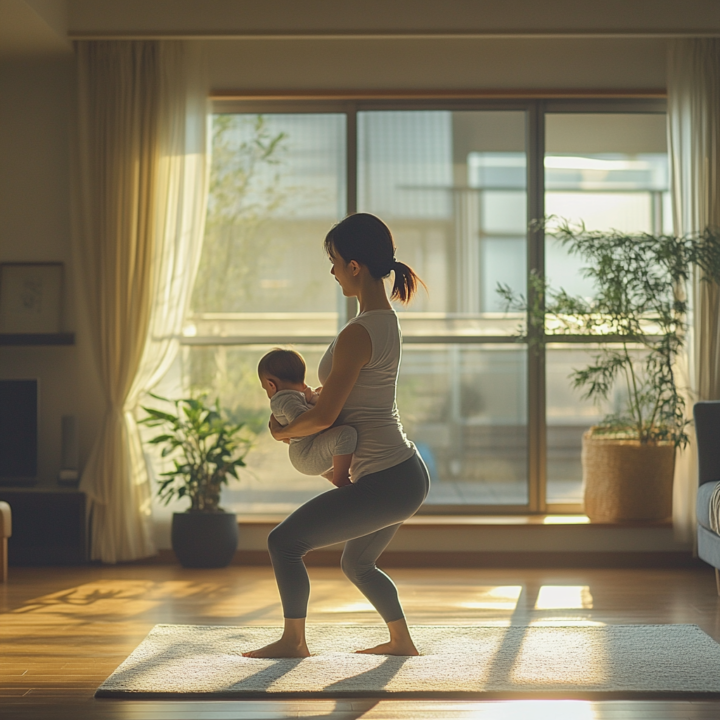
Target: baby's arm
{"x": 287, "y": 407}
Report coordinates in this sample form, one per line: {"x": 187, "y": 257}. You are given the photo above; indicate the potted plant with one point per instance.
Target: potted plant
{"x": 640, "y": 306}
{"x": 206, "y": 448}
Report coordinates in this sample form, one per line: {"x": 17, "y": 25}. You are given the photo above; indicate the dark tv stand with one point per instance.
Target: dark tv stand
{"x": 48, "y": 525}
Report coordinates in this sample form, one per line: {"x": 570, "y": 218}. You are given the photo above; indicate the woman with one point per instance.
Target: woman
{"x": 389, "y": 480}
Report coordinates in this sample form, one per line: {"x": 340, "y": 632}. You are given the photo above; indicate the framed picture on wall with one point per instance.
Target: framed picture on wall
{"x": 31, "y": 297}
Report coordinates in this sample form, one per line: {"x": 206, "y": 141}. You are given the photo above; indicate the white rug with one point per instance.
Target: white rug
{"x": 624, "y": 661}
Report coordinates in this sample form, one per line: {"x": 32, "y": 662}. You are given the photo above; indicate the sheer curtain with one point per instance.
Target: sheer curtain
{"x": 141, "y": 187}
{"x": 694, "y": 145}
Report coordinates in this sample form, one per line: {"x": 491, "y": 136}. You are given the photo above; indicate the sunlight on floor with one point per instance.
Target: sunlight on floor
{"x": 505, "y": 710}
{"x": 565, "y": 622}
{"x": 121, "y": 598}
{"x": 566, "y": 520}
{"x": 538, "y": 658}
{"x": 493, "y": 598}
{"x": 354, "y": 607}
{"x": 564, "y": 597}
{"x": 496, "y": 597}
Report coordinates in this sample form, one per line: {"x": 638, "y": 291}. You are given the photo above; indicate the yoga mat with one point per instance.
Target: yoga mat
{"x": 596, "y": 662}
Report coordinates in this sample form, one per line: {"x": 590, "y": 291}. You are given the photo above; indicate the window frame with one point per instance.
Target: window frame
{"x": 535, "y": 110}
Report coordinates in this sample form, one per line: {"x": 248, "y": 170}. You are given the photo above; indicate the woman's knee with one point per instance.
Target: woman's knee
{"x": 282, "y": 541}
{"x": 354, "y": 571}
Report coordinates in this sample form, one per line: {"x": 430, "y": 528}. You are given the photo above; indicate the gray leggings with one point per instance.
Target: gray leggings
{"x": 366, "y": 515}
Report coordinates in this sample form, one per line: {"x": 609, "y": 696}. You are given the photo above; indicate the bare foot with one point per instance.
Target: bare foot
{"x": 391, "y": 648}
{"x": 280, "y": 649}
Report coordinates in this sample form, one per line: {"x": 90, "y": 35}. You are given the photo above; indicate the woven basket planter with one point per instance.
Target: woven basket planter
{"x": 624, "y": 480}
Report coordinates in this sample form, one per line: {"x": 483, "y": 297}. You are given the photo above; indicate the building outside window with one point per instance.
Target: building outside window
{"x": 499, "y": 426}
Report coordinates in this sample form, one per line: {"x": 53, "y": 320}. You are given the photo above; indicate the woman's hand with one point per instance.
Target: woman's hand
{"x": 310, "y": 395}
{"x": 276, "y": 429}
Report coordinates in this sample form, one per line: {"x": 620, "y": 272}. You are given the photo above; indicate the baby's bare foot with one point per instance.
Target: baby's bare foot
{"x": 280, "y": 649}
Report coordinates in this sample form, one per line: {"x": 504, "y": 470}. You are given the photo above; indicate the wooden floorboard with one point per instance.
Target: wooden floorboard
{"x": 64, "y": 630}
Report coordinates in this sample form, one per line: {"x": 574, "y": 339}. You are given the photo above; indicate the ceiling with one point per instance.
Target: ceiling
{"x": 35, "y": 28}
{"x": 44, "y": 27}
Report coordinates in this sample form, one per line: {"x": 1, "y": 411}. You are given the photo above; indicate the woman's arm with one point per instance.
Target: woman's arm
{"x": 353, "y": 350}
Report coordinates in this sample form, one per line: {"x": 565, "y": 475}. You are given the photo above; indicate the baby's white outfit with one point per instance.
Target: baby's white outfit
{"x": 311, "y": 455}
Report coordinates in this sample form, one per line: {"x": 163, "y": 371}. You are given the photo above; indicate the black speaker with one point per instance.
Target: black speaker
{"x": 69, "y": 467}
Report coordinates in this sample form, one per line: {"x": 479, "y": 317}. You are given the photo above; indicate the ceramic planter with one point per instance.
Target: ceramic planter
{"x": 204, "y": 540}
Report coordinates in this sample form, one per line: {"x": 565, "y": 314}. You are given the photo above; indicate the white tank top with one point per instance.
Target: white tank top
{"x": 371, "y": 407}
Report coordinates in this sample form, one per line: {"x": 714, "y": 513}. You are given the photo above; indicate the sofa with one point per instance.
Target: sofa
{"x": 707, "y": 429}
{"x": 5, "y": 533}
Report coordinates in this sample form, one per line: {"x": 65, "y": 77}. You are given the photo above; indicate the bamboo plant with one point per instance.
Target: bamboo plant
{"x": 207, "y": 449}
{"x": 640, "y": 301}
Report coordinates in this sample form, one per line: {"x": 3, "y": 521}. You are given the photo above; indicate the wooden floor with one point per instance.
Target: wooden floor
{"x": 64, "y": 630}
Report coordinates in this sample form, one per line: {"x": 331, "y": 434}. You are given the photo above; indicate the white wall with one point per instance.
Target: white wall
{"x": 437, "y": 64}
{"x": 35, "y": 104}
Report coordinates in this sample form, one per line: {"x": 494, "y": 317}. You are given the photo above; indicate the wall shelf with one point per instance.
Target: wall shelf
{"x": 37, "y": 338}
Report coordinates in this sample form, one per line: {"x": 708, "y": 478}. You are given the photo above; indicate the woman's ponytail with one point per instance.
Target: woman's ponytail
{"x": 406, "y": 283}
{"x": 366, "y": 239}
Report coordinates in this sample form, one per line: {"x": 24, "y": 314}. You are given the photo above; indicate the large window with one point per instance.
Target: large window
{"x": 608, "y": 170}
{"x": 452, "y": 186}
{"x": 498, "y": 426}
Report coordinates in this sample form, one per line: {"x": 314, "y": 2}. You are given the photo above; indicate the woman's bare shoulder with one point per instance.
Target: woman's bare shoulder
{"x": 354, "y": 341}
{"x": 354, "y": 331}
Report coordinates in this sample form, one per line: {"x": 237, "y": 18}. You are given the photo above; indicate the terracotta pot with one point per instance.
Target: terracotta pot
{"x": 624, "y": 480}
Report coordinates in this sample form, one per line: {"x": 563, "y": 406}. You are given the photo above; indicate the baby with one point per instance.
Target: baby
{"x": 328, "y": 453}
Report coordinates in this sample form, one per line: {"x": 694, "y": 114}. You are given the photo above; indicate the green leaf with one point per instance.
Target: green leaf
{"x": 209, "y": 450}
{"x": 160, "y": 438}
{"x": 636, "y": 279}
{"x": 159, "y": 415}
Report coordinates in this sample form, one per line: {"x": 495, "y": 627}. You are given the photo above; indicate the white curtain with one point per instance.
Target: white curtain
{"x": 140, "y": 194}
{"x": 694, "y": 146}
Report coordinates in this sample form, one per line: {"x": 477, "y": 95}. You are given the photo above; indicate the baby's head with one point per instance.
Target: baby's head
{"x": 281, "y": 370}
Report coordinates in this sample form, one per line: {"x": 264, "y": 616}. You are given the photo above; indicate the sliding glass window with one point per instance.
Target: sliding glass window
{"x": 498, "y": 426}
{"x": 608, "y": 170}
{"x": 452, "y": 186}
{"x": 277, "y": 185}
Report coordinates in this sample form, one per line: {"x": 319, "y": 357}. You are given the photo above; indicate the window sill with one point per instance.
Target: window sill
{"x": 513, "y": 521}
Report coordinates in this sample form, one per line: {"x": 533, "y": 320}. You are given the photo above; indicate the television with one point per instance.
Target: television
{"x": 18, "y": 432}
